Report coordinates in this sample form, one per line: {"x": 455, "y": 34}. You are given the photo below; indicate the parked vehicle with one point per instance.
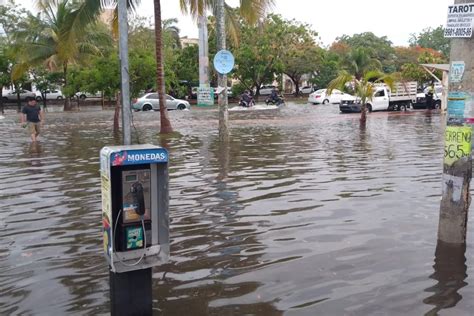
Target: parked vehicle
{"x": 267, "y": 90}
{"x": 383, "y": 99}
{"x": 11, "y": 95}
{"x": 50, "y": 95}
{"x": 321, "y": 96}
{"x": 87, "y": 95}
{"x": 437, "y": 97}
{"x": 150, "y": 101}
{"x": 279, "y": 101}
{"x": 306, "y": 90}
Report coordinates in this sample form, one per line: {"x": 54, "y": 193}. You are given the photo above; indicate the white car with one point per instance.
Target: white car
{"x": 50, "y": 95}
{"x": 150, "y": 101}
{"x": 267, "y": 90}
{"x": 320, "y": 96}
{"x": 306, "y": 89}
{"x": 87, "y": 95}
{"x": 10, "y": 95}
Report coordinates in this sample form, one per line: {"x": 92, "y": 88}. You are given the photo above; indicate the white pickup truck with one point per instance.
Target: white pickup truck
{"x": 383, "y": 99}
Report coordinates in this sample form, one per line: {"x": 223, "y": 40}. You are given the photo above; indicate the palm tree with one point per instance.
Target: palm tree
{"x": 358, "y": 62}
{"x": 165, "y": 124}
{"x": 64, "y": 35}
{"x": 364, "y": 87}
{"x": 251, "y": 11}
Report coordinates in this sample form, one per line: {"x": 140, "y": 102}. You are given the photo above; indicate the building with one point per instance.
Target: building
{"x": 186, "y": 41}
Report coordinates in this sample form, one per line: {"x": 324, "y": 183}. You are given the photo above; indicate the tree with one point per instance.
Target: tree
{"x": 165, "y": 124}
{"x": 364, "y": 87}
{"x": 432, "y": 38}
{"x": 379, "y": 48}
{"x": 359, "y": 61}
{"x": 300, "y": 53}
{"x": 259, "y": 58}
{"x": 45, "y": 81}
{"x": 12, "y": 20}
{"x": 327, "y": 70}
{"x": 67, "y": 33}
{"x": 410, "y": 58}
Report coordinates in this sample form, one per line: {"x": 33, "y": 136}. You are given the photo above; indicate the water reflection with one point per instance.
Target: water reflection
{"x": 450, "y": 272}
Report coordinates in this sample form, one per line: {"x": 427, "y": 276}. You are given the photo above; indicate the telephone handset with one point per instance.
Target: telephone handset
{"x": 138, "y": 198}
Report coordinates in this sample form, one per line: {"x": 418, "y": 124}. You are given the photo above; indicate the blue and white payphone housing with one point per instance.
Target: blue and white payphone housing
{"x": 135, "y": 198}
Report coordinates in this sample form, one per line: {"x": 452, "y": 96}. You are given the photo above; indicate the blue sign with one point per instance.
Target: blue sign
{"x": 224, "y": 61}
{"x": 139, "y": 157}
{"x": 456, "y": 108}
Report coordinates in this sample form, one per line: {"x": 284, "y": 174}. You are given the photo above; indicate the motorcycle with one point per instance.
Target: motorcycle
{"x": 278, "y": 101}
{"x": 246, "y": 104}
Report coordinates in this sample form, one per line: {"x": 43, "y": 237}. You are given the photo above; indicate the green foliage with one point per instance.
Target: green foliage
{"x": 301, "y": 55}
{"x": 328, "y": 69}
{"x": 259, "y": 55}
{"x": 379, "y": 48}
{"x": 432, "y": 38}
{"x": 364, "y": 87}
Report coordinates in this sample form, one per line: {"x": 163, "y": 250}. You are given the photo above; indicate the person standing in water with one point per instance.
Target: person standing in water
{"x": 33, "y": 117}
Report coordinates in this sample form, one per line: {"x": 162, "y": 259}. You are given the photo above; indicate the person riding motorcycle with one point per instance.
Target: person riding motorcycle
{"x": 274, "y": 95}
{"x": 246, "y": 99}
{"x": 274, "y": 98}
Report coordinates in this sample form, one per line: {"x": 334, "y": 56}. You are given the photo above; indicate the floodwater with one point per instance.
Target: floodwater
{"x": 302, "y": 214}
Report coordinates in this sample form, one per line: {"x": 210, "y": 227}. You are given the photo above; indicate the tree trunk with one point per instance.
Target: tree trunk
{"x": 363, "y": 115}
{"x": 222, "y": 79}
{"x": 18, "y": 100}
{"x": 457, "y": 164}
{"x": 43, "y": 95}
{"x": 165, "y": 124}
{"x": 67, "y": 99}
{"x": 117, "y": 112}
{"x": 2, "y": 110}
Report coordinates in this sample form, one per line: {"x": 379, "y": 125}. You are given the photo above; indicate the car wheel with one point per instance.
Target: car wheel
{"x": 437, "y": 105}
{"x": 402, "y": 107}
{"x": 181, "y": 106}
{"x": 39, "y": 98}
{"x": 59, "y": 98}
{"x": 326, "y": 101}
{"x": 5, "y": 99}
{"x": 369, "y": 108}
{"x": 82, "y": 97}
{"x": 147, "y": 107}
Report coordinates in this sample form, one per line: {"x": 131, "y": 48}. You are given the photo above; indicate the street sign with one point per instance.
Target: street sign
{"x": 457, "y": 71}
{"x": 460, "y": 20}
{"x": 224, "y": 61}
{"x": 205, "y": 95}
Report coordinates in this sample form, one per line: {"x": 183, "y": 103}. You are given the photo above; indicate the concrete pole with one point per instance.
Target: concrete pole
{"x": 125, "y": 82}
{"x": 203, "y": 51}
{"x": 222, "y": 79}
{"x": 457, "y": 168}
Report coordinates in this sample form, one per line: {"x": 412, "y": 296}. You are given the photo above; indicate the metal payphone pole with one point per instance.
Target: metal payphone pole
{"x": 125, "y": 82}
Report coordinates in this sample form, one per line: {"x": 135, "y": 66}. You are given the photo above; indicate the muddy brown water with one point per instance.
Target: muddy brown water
{"x": 302, "y": 214}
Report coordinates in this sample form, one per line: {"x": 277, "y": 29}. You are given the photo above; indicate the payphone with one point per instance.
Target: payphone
{"x": 135, "y": 220}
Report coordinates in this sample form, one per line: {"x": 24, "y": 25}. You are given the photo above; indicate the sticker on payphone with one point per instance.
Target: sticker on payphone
{"x": 134, "y": 237}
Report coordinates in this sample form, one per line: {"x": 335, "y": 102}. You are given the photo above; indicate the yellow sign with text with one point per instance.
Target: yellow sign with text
{"x": 457, "y": 143}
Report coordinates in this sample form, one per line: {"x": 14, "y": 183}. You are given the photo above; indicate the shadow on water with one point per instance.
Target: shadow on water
{"x": 450, "y": 272}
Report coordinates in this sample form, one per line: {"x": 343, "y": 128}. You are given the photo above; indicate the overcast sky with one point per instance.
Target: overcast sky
{"x": 333, "y": 18}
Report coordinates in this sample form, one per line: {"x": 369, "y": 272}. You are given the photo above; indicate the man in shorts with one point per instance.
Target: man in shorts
{"x": 33, "y": 117}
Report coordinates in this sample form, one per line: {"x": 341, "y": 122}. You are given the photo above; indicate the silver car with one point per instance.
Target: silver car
{"x": 150, "y": 101}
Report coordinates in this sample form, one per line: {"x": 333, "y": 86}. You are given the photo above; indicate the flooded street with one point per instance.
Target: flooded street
{"x": 302, "y": 214}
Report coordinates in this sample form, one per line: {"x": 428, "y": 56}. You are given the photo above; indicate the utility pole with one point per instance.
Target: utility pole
{"x": 457, "y": 165}
{"x": 222, "y": 79}
{"x": 125, "y": 82}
